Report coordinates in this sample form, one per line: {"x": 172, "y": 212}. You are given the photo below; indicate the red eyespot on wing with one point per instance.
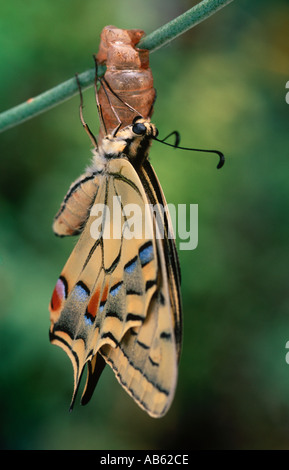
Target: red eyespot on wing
{"x": 59, "y": 294}
{"x": 104, "y": 295}
{"x": 92, "y": 306}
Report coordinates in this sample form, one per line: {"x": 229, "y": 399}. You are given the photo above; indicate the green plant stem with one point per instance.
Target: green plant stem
{"x": 181, "y": 24}
{"x": 41, "y": 103}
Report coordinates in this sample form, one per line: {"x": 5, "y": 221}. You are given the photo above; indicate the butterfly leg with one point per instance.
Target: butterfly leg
{"x": 96, "y": 79}
{"x": 85, "y": 125}
{"x": 102, "y": 81}
{"x": 105, "y": 83}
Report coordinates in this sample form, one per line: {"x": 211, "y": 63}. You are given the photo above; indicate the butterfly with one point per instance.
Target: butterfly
{"x": 117, "y": 300}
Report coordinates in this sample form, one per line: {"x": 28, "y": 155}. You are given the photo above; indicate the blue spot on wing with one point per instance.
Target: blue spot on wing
{"x": 131, "y": 265}
{"x": 146, "y": 253}
{"x": 81, "y": 292}
{"x": 115, "y": 289}
{"x": 88, "y": 320}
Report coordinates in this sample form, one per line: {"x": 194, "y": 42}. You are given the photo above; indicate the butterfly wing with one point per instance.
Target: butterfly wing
{"x": 145, "y": 362}
{"x": 112, "y": 298}
{"x": 156, "y": 197}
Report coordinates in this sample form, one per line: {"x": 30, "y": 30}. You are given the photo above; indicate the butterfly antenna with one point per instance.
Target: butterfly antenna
{"x": 176, "y": 145}
{"x": 85, "y": 125}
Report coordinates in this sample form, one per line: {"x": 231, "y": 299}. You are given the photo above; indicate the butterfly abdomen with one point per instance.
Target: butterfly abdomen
{"x": 75, "y": 207}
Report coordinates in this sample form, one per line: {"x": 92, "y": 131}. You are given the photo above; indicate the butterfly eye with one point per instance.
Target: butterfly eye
{"x": 139, "y": 128}
{"x": 136, "y": 118}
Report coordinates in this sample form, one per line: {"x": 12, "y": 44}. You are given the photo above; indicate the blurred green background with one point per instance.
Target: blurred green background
{"x": 222, "y": 85}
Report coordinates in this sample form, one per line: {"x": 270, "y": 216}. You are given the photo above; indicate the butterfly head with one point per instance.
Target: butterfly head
{"x": 142, "y": 127}
{"x": 132, "y": 141}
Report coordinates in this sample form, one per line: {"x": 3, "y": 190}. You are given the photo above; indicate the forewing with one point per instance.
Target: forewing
{"x": 107, "y": 285}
